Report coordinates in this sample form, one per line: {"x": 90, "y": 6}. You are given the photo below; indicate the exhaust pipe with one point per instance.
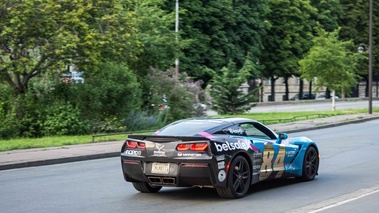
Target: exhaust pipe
{"x": 162, "y": 180}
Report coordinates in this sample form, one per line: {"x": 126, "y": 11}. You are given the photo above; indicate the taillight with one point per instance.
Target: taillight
{"x": 192, "y": 146}
{"x": 199, "y": 146}
{"x": 135, "y": 144}
{"x": 183, "y": 147}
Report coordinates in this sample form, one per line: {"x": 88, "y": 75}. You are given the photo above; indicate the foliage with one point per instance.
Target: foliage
{"x": 331, "y": 62}
{"x": 51, "y": 106}
{"x": 159, "y": 44}
{"x": 62, "y": 33}
{"x": 143, "y": 120}
{"x": 288, "y": 38}
{"x": 8, "y": 123}
{"x": 354, "y": 24}
{"x": 55, "y": 141}
{"x": 178, "y": 95}
{"x": 63, "y": 119}
{"x": 225, "y": 90}
{"x": 113, "y": 91}
{"x": 328, "y": 13}
{"x": 219, "y": 31}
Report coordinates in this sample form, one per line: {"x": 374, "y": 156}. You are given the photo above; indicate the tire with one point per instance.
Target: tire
{"x": 239, "y": 179}
{"x": 146, "y": 187}
{"x": 310, "y": 164}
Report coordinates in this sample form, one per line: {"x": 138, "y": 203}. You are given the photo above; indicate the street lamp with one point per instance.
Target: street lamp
{"x": 370, "y": 63}
{"x": 363, "y": 48}
{"x": 176, "y": 35}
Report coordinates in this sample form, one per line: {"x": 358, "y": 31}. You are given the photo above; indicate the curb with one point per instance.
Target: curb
{"x": 58, "y": 161}
{"x": 333, "y": 125}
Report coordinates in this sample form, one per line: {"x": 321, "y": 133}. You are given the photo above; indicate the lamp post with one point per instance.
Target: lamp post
{"x": 361, "y": 49}
{"x": 370, "y": 63}
{"x": 176, "y": 35}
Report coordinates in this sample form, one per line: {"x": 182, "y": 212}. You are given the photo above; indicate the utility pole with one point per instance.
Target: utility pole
{"x": 370, "y": 64}
{"x": 176, "y": 32}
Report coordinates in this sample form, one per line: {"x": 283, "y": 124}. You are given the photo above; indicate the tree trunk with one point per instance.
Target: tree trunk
{"x": 287, "y": 89}
{"x": 301, "y": 89}
{"x": 310, "y": 89}
{"x": 333, "y": 101}
{"x": 272, "y": 89}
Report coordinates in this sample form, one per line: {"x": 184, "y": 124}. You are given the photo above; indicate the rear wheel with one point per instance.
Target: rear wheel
{"x": 310, "y": 164}
{"x": 239, "y": 179}
{"x": 146, "y": 187}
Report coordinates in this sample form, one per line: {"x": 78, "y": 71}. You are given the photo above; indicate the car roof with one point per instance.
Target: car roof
{"x": 221, "y": 120}
{"x": 193, "y": 126}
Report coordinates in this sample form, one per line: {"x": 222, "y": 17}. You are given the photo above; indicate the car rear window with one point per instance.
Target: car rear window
{"x": 189, "y": 128}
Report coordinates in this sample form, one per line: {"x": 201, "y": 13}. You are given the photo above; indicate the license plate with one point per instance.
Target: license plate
{"x": 160, "y": 168}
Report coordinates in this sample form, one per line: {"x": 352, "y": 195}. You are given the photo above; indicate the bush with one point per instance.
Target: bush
{"x": 178, "y": 96}
{"x": 63, "y": 119}
{"x": 113, "y": 91}
{"x": 142, "y": 120}
{"x": 8, "y": 123}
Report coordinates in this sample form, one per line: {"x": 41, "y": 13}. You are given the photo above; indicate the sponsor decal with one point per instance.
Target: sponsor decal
{"x": 256, "y": 167}
{"x": 220, "y": 157}
{"x": 221, "y": 175}
{"x": 133, "y": 152}
{"x": 231, "y": 146}
{"x": 291, "y": 154}
{"x": 238, "y": 131}
{"x": 159, "y": 150}
{"x": 181, "y": 154}
{"x": 221, "y": 165}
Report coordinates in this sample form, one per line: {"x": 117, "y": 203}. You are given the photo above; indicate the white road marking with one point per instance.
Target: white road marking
{"x": 336, "y": 201}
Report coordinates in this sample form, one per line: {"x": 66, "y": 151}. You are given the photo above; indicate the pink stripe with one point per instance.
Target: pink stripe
{"x": 206, "y": 134}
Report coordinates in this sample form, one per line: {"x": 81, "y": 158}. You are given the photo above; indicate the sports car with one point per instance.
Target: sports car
{"x": 228, "y": 154}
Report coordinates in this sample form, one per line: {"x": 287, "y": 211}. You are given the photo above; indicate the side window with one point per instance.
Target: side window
{"x": 252, "y": 131}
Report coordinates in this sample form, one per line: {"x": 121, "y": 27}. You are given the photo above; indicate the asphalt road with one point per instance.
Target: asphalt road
{"x": 347, "y": 182}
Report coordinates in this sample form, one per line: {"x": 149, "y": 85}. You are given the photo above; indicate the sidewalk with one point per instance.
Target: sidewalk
{"x": 65, "y": 154}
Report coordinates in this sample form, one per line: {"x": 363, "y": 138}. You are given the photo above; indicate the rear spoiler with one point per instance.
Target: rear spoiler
{"x": 163, "y": 139}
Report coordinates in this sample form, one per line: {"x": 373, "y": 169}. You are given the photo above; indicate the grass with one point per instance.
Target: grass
{"x": 267, "y": 118}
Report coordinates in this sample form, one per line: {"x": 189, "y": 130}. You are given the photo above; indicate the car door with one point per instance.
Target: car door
{"x": 276, "y": 156}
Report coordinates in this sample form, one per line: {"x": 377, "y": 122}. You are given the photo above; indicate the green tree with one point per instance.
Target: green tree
{"x": 176, "y": 97}
{"x": 328, "y": 13}
{"x": 225, "y": 89}
{"x": 158, "y": 41}
{"x": 331, "y": 62}
{"x": 113, "y": 92}
{"x": 354, "y": 23}
{"x": 219, "y": 31}
{"x": 288, "y": 38}
{"x": 39, "y": 36}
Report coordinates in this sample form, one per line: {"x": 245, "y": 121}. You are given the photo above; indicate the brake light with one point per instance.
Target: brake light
{"x": 183, "y": 147}
{"x": 135, "y": 144}
{"x": 199, "y": 146}
{"x": 192, "y": 146}
{"x": 131, "y": 144}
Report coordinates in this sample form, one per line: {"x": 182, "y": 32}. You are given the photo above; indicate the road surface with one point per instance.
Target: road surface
{"x": 347, "y": 182}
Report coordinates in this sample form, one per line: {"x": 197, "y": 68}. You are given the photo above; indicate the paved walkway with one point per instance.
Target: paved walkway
{"x": 64, "y": 154}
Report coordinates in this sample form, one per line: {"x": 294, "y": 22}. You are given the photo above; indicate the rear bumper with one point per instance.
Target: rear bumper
{"x": 184, "y": 173}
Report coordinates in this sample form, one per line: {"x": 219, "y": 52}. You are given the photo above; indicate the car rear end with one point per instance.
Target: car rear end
{"x": 168, "y": 161}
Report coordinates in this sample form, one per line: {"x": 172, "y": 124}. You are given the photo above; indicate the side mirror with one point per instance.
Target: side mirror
{"x": 281, "y": 136}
